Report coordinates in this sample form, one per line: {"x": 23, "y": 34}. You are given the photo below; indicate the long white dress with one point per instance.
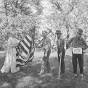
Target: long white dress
{"x": 10, "y": 60}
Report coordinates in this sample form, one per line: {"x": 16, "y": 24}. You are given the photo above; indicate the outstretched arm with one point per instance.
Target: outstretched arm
{"x": 86, "y": 46}
{"x": 68, "y": 43}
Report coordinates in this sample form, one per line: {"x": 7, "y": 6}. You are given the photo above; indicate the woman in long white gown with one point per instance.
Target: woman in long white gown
{"x": 10, "y": 60}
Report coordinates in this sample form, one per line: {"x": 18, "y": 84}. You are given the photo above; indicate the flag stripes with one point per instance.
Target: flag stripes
{"x": 26, "y": 48}
{"x": 32, "y": 54}
{"x": 27, "y": 43}
{"x": 22, "y": 48}
{"x": 29, "y": 39}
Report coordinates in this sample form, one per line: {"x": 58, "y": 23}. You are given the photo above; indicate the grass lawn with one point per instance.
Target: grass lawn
{"x": 29, "y": 76}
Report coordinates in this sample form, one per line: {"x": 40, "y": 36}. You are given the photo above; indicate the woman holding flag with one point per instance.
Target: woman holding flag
{"x": 10, "y": 60}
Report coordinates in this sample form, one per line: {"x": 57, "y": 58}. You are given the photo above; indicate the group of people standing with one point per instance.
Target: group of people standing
{"x": 77, "y": 43}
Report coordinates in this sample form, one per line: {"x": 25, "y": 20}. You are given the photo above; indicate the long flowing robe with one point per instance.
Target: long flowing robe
{"x": 10, "y": 60}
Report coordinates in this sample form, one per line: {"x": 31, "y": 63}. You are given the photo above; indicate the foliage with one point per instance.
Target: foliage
{"x": 66, "y": 15}
{"x": 18, "y": 16}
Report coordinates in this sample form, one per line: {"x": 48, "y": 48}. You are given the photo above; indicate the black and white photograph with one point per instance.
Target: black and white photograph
{"x": 43, "y": 43}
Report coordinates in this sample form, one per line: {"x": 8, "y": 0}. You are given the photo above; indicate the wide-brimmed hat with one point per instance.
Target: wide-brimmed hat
{"x": 58, "y": 32}
{"x": 80, "y": 31}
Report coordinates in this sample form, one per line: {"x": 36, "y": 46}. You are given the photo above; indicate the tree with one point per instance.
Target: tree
{"x": 65, "y": 15}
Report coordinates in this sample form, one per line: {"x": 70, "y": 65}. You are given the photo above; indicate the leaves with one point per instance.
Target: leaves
{"x": 21, "y": 15}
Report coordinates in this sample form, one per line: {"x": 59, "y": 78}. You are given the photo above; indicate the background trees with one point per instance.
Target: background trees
{"x": 50, "y": 15}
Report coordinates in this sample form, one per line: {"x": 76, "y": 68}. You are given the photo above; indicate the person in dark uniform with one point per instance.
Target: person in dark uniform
{"x": 78, "y": 45}
{"x": 60, "y": 50}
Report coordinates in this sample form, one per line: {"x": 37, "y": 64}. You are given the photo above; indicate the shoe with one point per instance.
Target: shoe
{"x": 81, "y": 76}
{"x": 42, "y": 72}
{"x": 75, "y": 76}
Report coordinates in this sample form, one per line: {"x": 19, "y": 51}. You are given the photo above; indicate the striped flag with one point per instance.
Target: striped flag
{"x": 25, "y": 51}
